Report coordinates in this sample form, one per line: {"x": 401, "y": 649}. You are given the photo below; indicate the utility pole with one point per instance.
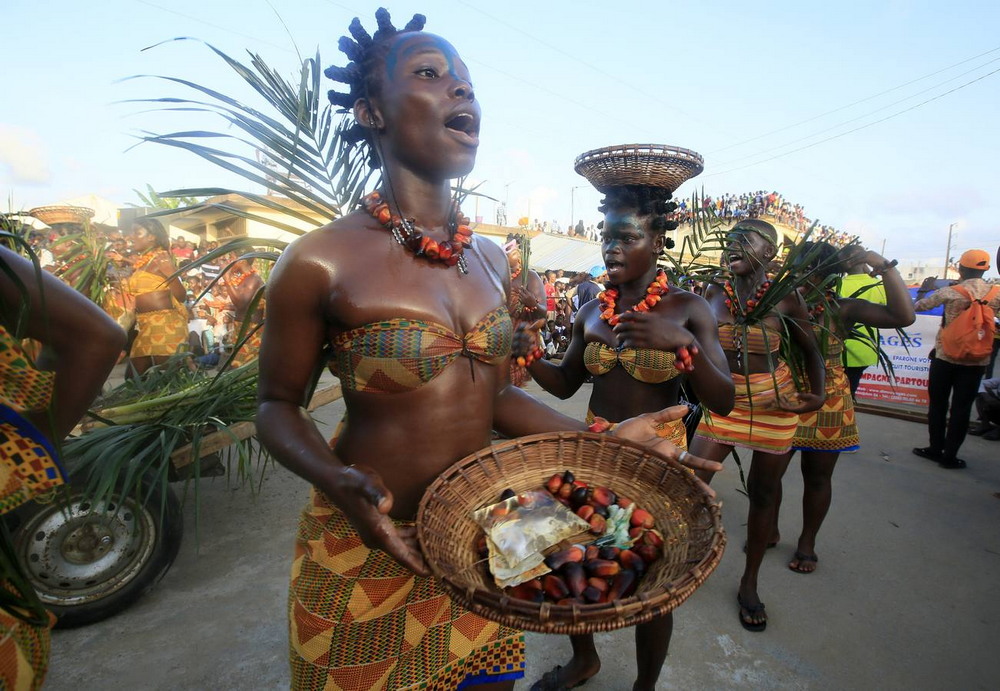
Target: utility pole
{"x": 572, "y": 201}
{"x": 947, "y": 254}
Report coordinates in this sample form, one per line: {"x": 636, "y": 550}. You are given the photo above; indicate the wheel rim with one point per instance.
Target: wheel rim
{"x": 84, "y": 551}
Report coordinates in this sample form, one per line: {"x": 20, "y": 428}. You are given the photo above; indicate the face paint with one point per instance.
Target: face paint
{"x": 427, "y": 43}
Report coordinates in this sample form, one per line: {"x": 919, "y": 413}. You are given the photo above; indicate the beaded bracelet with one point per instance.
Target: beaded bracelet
{"x": 525, "y": 360}
{"x": 600, "y": 426}
{"x": 882, "y": 269}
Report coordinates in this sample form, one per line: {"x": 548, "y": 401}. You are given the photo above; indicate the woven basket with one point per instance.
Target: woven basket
{"x": 51, "y": 215}
{"x": 652, "y": 165}
{"x": 693, "y": 537}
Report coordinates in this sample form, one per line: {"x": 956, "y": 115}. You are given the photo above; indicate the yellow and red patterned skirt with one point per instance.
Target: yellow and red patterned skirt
{"x": 161, "y": 333}
{"x": 832, "y": 427}
{"x": 756, "y": 422}
{"x": 249, "y": 350}
{"x": 358, "y": 620}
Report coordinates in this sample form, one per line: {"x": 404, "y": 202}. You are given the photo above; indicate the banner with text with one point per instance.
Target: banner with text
{"x": 910, "y": 363}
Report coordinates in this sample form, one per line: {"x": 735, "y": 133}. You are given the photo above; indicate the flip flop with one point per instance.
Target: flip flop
{"x": 549, "y": 681}
{"x": 800, "y": 557}
{"x": 751, "y": 611}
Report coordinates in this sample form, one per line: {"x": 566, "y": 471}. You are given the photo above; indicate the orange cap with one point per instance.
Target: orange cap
{"x": 975, "y": 259}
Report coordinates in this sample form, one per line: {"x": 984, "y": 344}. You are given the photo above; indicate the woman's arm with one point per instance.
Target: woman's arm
{"x": 898, "y": 310}
{"x": 80, "y": 342}
{"x": 711, "y": 378}
{"x": 165, "y": 267}
{"x": 794, "y": 307}
{"x": 294, "y": 335}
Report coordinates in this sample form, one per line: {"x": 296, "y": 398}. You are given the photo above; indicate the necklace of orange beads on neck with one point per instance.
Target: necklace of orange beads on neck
{"x": 145, "y": 258}
{"x": 654, "y": 293}
{"x": 405, "y": 231}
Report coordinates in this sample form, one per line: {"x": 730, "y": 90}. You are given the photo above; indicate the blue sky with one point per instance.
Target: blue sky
{"x": 738, "y": 82}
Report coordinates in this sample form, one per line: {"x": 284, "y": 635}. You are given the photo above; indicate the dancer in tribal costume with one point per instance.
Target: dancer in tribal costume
{"x": 415, "y": 315}
{"x": 765, "y": 416}
{"x": 243, "y": 284}
{"x": 161, "y": 317}
{"x": 81, "y": 343}
{"x": 822, "y": 435}
{"x": 632, "y": 353}
{"x": 526, "y": 302}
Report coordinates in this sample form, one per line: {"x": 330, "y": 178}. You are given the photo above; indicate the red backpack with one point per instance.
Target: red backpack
{"x": 969, "y": 336}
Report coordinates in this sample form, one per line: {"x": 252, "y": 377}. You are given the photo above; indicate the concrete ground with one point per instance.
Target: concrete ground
{"x": 905, "y": 596}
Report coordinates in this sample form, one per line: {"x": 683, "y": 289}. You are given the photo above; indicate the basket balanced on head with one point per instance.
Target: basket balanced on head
{"x": 688, "y": 518}
{"x": 648, "y": 165}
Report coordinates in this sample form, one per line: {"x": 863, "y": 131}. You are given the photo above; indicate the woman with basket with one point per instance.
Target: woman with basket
{"x": 636, "y": 339}
{"x": 754, "y": 318}
{"x": 413, "y": 310}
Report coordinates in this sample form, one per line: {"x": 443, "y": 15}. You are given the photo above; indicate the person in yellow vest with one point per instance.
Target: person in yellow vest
{"x": 861, "y": 347}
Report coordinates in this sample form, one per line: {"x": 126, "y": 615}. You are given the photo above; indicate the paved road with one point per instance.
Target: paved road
{"x": 904, "y": 597}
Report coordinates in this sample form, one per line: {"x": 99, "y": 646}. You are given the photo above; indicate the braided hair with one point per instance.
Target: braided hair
{"x": 361, "y": 75}
{"x": 650, "y": 201}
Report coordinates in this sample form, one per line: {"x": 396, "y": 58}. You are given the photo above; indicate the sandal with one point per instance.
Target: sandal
{"x": 550, "y": 681}
{"x": 803, "y": 559}
{"x": 748, "y": 623}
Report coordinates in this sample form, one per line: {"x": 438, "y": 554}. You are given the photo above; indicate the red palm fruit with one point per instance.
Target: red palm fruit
{"x": 591, "y": 594}
{"x": 609, "y": 552}
{"x": 525, "y": 500}
{"x": 557, "y": 560}
{"x": 602, "y": 567}
{"x": 577, "y": 484}
{"x": 568, "y": 476}
{"x": 575, "y": 578}
{"x": 590, "y": 553}
{"x": 599, "y": 583}
{"x": 622, "y": 585}
{"x": 565, "y": 490}
{"x": 632, "y": 560}
{"x": 597, "y": 524}
{"x": 652, "y": 537}
{"x": 636, "y": 532}
{"x": 554, "y": 483}
{"x": 555, "y": 587}
{"x": 507, "y": 494}
{"x": 641, "y": 517}
{"x": 600, "y": 509}
{"x": 648, "y": 553}
{"x": 522, "y": 592}
{"x": 603, "y": 496}
{"x": 585, "y": 512}
{"x": 578, "y": 496}
{"x": 624, "y": 502}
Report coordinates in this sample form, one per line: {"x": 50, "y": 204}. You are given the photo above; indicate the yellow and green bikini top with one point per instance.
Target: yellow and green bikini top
{"x": 400, "y": 355}
{"x": 644, "y": 364}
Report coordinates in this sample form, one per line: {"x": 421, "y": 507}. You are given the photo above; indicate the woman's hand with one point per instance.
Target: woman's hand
{"x": 525, "y": 340}
{"x": 528, "y": 299}
{"x": 803, "y": 402}
{"x": 651, "y": 330}
{"x": 647, "y": 429}
{"x": 364, "y": 499}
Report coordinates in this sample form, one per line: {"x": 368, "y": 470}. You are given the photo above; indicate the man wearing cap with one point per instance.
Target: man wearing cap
{"x": 589, "y": 289}
{"x": 949, "y": 378}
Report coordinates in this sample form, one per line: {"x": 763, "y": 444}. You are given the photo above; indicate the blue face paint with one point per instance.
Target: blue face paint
{"x": 422, "y": 43}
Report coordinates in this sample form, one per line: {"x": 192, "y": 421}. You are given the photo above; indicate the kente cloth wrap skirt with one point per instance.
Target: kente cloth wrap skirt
{"x": 832, "y": 427}
{"x": 756, "y": 422}
{"x": 673, "y": 431}
{"x": 161, "y": 333}
{"x": 358, "y": 620}
{"x": 250, "y": 350}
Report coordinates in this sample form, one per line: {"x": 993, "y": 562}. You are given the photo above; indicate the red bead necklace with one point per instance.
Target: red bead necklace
{"x": 684, "y": 356}
{"x": 732, "y": 302}
{"x": 448, "y": 252}
{"x": 654, "y": 293}
{"x": 145, "y": 258}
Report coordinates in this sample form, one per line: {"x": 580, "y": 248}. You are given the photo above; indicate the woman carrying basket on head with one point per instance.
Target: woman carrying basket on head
{"x": 636, "y": 339}
{"x": 415, "y": 314}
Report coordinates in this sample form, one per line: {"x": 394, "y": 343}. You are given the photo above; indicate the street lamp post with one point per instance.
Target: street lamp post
{"x": 947, "y": 253}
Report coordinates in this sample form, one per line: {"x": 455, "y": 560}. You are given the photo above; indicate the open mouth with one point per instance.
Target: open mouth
{"x": 464, "y": 123}
{"x": 612, "y": 265}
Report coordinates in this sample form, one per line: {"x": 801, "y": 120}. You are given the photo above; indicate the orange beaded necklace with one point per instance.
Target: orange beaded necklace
{"x": 449, "y": 252}
{"x": 654, "y": 293}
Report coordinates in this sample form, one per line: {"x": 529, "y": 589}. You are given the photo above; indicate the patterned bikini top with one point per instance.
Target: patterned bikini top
{"x": 645, "y": 364}
{"x": 731, "y": 335}
{"x": 143, "y": 282}
{"x": 404, "y": 354}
